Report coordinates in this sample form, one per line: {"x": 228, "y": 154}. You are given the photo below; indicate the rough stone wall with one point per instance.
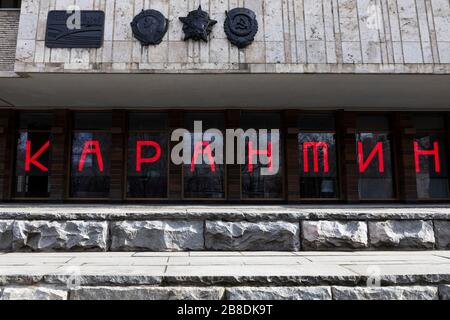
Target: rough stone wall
{"x": 368, "y": 36}
{"x": 9, "y": 25}
{"x": 213, "y": 235}
{"x": 130, "y": 292}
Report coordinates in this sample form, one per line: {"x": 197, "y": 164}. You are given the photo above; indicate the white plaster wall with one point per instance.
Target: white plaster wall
{"x": 295, "y": 36}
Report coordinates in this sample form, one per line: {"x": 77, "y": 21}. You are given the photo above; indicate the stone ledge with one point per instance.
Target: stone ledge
{"x": 230, "y": 269}
{"x": 291, "y": 213}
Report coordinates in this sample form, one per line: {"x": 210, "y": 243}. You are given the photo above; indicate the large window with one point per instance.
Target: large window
{"x": 10, "y": 4}
{"x": 90, "y": 158}
{"x": 430, "y": 157}
{"x": 147, "y": 163}
{"x": 33, "y": 155}
{"x": 262, "y": 174}
{"x": 203, "y": 178}
{"x": 318, "y": 160}
{"x": 374, "y": 156}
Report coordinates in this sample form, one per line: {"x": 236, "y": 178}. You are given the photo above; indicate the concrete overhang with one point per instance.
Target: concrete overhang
{"x": 210, "y": 91}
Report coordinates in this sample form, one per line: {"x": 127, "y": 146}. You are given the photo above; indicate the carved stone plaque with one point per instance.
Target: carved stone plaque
{"x": 83, "y": 29}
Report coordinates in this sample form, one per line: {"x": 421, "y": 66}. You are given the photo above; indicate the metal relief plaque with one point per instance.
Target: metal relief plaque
{"x": 149, "y": 27}
{"x": 241, "y": 26}
{"x": 83, "y": 29}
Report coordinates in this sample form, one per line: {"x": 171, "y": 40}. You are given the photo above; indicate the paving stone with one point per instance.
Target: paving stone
{"x": 32, "y": 293}
{"x": 442, "y": 230}
{"x": 248, "y": 236}
{"x": 386, "y": 293}
{"x": 325, "y": 235}
{"x": 60, "y": 235}
{"x": 279, "y": 293}
{"x": 6, "y": 234}
{"x": 416, "y": 234}
{"x": 146, "y": 293}
{"x": 157, "y": 235}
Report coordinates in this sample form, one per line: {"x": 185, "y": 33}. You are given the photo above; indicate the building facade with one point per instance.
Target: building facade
{"x": 358, "y": 91}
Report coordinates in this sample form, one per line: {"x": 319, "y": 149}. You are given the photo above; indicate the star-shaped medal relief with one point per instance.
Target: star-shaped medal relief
{"x": 197, "y": 25}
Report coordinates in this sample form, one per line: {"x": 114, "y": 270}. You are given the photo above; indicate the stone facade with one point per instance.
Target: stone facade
{"x": 295, "y": 36}
{"x": 9, "y": 25}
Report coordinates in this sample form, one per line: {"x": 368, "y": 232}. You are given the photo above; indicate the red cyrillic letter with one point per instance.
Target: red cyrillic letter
{"x": 91, "y": 147}
{"x": 363, "y": 165}
{"x": 252, "y": 152}
{"x": 33, "y": 159}
{"x": 198, "y": 149}
{"x": 315, "y": 146}
{"x": 434, "y": 152}
{"x": 140, "y": 160}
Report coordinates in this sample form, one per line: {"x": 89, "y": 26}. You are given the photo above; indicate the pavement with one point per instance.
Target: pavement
{"x": 210, "y": 268}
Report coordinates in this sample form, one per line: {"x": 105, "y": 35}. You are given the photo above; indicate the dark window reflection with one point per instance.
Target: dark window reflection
{"x": 375, "y": 177}
{"x": 90, "y": 165}
{"x": 431, "y": 170}
{"x": 33, "y": 165}
{"x": 147, "y": 165}
{"x": 318, "y": 165}
{"x": 254, "y": 184}
{"x": 204, "y": 181}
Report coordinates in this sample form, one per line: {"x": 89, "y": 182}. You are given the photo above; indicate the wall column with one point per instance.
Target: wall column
{"x": 346, "y": 129}
{"x": 292, "y": 163}
{"x": 118, "y": 132}
{"x": 6, "y": 151}
{"x": 403, "y": 137}
{"x": 175, "y": 171}
{"x": 59, "y": 164}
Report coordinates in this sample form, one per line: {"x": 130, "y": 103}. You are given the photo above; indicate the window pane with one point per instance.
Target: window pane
{"x": 93, "y": 120}
{"x": 204, "y": 181}
{"x": 148, "y": 121}
{"x": 428, "y": 121}
{"x": 35, "y": 121}
{"x": 147, "y": 165}
{"x": 32, "y": 167}
{"x": 317, "y": 121}
{"x": 431, "y": 166}
{"x": 255, "y": 184}
{"x": 90, "y": 169}
{"x": 318, "y": 165}
{"x": 375, "y": 166}
{"x": 372, "y": 122}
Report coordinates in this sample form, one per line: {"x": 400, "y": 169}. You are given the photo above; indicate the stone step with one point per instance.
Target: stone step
{"x": 411, "y": 275}
{"x": 222, "y": 228}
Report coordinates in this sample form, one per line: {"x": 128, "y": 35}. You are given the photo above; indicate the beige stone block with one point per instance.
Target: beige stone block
{"x": 316, "y": 52}
{"x": 412, "y": 52}
{"x": 159, "y": 53}
{"x": 122, "y": 51}
{"x": 351, "y": 52}
{"x": 444, "y": 52}
{"x": 371, "y": 51}
{"x": 178, "y": 51}
{"x": 255, "y": 53}
{"x": 28, "y": 27}
{"x": 275, "y": 52}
